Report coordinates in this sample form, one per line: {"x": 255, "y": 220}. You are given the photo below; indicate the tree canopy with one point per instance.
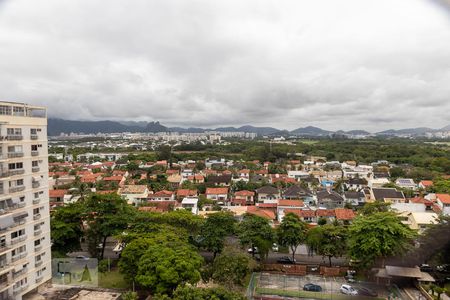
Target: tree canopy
{"x": 378, "y": 235}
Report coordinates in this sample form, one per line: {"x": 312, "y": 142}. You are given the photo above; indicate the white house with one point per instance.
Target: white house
{"x": 190, "y": 203}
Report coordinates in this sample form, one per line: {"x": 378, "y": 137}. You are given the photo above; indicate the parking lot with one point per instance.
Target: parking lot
{"x": 329, "y": 285}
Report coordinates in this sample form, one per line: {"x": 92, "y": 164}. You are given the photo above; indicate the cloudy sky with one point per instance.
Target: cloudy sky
{"x": 348, "y": 64}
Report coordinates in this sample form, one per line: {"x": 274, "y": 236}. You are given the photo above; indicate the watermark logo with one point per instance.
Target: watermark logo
{"x": 75, "y": 271}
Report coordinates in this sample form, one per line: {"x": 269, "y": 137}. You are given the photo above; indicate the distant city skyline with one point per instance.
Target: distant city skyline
{"x": 337, "y": 65}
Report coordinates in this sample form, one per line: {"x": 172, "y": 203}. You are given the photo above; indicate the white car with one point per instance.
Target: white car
{"x": 275, "y": 247}
{"x": 348, "y": 290}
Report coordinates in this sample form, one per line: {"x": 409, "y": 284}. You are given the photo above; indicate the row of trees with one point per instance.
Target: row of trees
{"x": 162, "y": 250}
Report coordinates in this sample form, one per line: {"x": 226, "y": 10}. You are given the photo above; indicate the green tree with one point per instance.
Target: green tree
{"x": 291, "y": 232}
{"x": 186, "y": 292}
{"x": 106, "y": 215}
{"x": 232, "y": 267}
{"x": 215, "y": 229}
{"x": 130, "y": 296}
{"x": 328, "y": 240}
{"x": 374, "y": 207}
{"x": 164, "y": 266}
{"x": 378, "y": 235}
{"x": 66, "y": 228}
{"x": 255, "y": 231}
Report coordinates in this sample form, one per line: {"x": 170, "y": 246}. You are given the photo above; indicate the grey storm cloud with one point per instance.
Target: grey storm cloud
{"x": 351, "y": 64}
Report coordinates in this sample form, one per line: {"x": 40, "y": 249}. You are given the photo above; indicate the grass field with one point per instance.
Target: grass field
{"x": 112, "y": 280}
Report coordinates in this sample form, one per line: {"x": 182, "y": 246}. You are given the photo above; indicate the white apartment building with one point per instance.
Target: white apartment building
{"x": 25, "y": 254}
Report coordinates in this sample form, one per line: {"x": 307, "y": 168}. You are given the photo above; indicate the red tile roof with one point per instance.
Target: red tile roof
{"x": 186, "y": 192}
{"x": 265, "y": 213}
{"x": 302, "y": 213}
{"x": 113, "y": 178}
{"x": 57, "y": 193}
{"x": 267, "y": 205}
{"x": 244, "y": 193}
{"x": 163, "y": 193}
{"x": 292, "y": 203}
{"x": 445, "y": 198}
{"x": 344, "y": 214}
{"x": 427, "y": 183}
{"x": 217, "y": 191}
{"x": 325, "y": 213}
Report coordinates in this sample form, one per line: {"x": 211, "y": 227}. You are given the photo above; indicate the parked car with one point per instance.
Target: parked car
{"x": 445, "y": 268}
{"x": 286, "y": 260}
{"x": 253, "y": 250}
{"x": 311, "y": 287}
{"x": 81, "y": 257}
{"x": 426, "y": 268}
{"x": 348, "y": 290}
{"x": 366, "y": 292}
{"x": 275, "y": 247}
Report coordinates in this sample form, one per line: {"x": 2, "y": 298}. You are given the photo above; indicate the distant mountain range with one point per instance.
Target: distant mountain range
{"x": 58, "y": 126}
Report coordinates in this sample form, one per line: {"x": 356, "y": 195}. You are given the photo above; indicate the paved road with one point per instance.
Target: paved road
{"x": 272, "y": 258}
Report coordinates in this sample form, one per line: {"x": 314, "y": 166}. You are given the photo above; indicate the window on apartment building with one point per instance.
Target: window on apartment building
{"x": 19, "y": 250}
{"x": 15, "y": 149}
{"x": 39, "y": 257}
{"x": 17, "y": 233}
{"x": 3, "y": 241}
{"x": 18, "y": 182}
{"x": 35, "y": 163}
{"x": 14, "y": 131}
{"x": 34, "y": 147}
{"x": 33, "y": 131}
{"x": 15, "y": 166}
{"x": 20, "y": 283}
{"x": 40, "y": 272}
{"x": 37, "y": 242}
{"x": 5, "y": 110}
{"x": 5, "y": 204}
{"x": 19, "y": 111}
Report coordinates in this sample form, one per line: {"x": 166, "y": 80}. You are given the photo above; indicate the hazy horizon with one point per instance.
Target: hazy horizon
{"x": 352, "y": 64}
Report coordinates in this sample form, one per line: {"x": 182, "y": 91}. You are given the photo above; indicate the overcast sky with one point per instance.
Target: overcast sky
{"x": 352, "y": 64}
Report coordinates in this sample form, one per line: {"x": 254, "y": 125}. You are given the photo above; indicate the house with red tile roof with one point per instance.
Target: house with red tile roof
{"x": 424, "y": 184}
{"x": 217, "y": 194}
{"x": 284, "y": 204}
{"x": 264, "y": 213}
{"x": 246, "y": 196}
{"x": 120, "y": 180}
{"x": 306, "y": 215}
{"x": 443, "y": 201}
{"x": 344, "y": 214}
{"x": 182, "y": 193}
{"x": 328, "y": 214}
{"x": 163, "y": 195}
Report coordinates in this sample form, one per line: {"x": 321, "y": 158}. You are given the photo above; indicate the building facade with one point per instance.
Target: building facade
{"x": 25, "y": 254}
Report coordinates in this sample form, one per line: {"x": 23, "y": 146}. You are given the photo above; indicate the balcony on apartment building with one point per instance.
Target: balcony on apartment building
{"x": 18, "y": 239}
{"x": 19, "y": 256}
{"x": 38, "y": 263}
{"x": 14, "y": 137}
{"x": 4, "y": 281}
{"x": 34, "y": 136}
{"x": 35, "y": 184}
{"x": 35, "y": 169}
{"x": 37, "y": 232}
{"x": 20, "y": 289}
{"x": 15, "y": 154}
{"x": 34, "y": 153}
{"x": 15, "y": 189}
{"x": 19, "y": 273}
{"x": 14, "y": 172}
{"x": 36, "y": 200}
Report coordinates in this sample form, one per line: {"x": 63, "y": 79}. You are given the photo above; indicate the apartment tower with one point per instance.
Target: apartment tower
{"x": 25, "y": 255}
